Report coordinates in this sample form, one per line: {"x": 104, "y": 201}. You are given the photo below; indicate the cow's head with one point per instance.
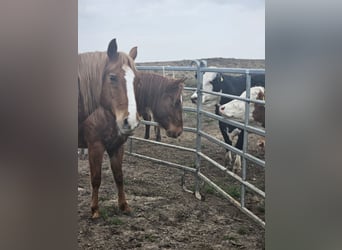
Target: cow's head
{"x": 212, "y": 82}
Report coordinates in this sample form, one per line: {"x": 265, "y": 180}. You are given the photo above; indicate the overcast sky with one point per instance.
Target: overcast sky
{"x": 174, "y": 29}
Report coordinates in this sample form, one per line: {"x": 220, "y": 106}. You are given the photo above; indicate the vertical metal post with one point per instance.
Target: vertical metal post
{"x": 245, "y": 137}
{"x": 198, "y": 127}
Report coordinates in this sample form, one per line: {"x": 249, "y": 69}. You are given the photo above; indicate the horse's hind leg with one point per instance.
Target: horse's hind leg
{"x": 116, "y": 165}
{"x": 147, "y": 117}
{"x": 157, "y": 132}
{"x": 95, "y": 152}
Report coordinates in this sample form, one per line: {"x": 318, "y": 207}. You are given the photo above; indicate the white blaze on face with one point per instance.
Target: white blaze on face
{"x": 132, "y": 106}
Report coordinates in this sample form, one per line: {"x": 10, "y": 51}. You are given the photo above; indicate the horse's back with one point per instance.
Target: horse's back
{"x": 90, "y": 70}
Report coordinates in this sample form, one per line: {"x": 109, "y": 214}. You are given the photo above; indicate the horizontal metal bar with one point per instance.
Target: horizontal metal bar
{"x": 164, "y": 144}
{"x": 188, "y": 129}
{"x": 149, "y": 123}
{"x": 232, "y": 200}
{"x": 186, "y": 168}
{"x": 233, "y": 175}
{"x": 220, "y": 143}
{"x": 204, "y": 69}
{"x": 233, "y": 70}
{"x": 174, "y": 68}
{"x": 189, "y": 109}
{"x": 234, "y": 123}
{"x": 233, "y": 149}
{"x": 233, "y": 97}
{"x": 190, "y": 88}
{"x": 216, "y": 117}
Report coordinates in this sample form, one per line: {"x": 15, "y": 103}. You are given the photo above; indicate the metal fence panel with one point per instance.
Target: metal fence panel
{"x": 200, "y": 67}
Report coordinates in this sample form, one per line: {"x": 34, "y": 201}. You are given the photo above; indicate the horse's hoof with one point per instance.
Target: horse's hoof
{"x": 96, "y": 215}
{"x": 125, "y": 209}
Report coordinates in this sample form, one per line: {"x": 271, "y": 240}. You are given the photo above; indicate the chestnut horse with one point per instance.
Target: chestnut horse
{"x": 107, "y": 112}
{"x": 161, "y": 97}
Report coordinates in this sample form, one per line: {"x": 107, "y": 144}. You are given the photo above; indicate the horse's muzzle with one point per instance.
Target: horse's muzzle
{"x": 127, "y": 128}
{"x": 174, "y": 133}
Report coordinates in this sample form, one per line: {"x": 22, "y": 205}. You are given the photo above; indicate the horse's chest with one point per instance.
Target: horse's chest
{"x": 112, "y": 139}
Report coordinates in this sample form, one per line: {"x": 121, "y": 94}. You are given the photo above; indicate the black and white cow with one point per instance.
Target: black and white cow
{"x": 227, "y": 84}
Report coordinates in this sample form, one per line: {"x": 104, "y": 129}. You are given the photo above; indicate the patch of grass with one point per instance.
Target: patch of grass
{"x": 109, "y": 217}
{"x": 103, "y": 198}
{"x": 229, "y": 237}
{"x": 114, "y": 221}
{"x": 234, "y": 191}
{"x": 261, "y": 209}
{"x": 208, "y": 189}
{"x": 150, "y": 237}
{"x": 242, "y": 231}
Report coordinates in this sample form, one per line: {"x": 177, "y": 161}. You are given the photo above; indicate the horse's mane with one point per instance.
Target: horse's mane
{"x": 153, "y": 87}
{"x": 91, "y": 66}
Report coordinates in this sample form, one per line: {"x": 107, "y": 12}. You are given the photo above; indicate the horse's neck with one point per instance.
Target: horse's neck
{"x": 150, "y": 96}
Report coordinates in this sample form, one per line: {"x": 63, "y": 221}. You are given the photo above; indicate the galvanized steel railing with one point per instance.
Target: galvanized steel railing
{"x": 200, "y": 67}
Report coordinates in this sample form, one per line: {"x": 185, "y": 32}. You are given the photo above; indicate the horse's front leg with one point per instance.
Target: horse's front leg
{"x": 95, "y": 151}
{"x": 147, "y": 117}
{"x": 116, "y": 165}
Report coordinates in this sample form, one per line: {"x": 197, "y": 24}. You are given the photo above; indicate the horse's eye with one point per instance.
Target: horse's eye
{"x": 112, "y": 77}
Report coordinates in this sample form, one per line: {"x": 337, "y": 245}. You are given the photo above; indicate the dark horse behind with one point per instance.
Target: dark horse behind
{"x": 161, "y": 97}
{"x": 100, "y": 131}
{"x": 107, "y": 112}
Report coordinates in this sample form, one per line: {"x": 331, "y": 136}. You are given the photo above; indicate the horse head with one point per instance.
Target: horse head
{"x": 119, "y": 83}
{"x": 169, "y": 113}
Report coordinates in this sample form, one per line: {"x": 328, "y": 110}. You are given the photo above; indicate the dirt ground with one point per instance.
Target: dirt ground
{"x": 164, "y": 215}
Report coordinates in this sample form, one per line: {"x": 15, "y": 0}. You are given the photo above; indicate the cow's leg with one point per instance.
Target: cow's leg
{"x": 239, "y": 145}
{"x": 224, "y": 127}
{"x": 147, "y": 117}
{"x": 157, "y": 132}
{"x": 116, "y": 165}
{"x": 85, "y": 153}
{"x": 95, "y": 151}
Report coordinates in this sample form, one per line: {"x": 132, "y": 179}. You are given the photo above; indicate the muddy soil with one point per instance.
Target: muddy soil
{"x": 164, "y": 215}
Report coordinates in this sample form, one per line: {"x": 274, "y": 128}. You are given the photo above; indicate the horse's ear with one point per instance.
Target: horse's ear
{"x": 133, "y": 52}
{"x": 176, "y": 86}
{"x": 182, "y": 80}
{"x": 112, "y": 50}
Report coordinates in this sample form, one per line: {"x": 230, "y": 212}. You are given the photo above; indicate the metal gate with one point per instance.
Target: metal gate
{"x": 200, "y": 67}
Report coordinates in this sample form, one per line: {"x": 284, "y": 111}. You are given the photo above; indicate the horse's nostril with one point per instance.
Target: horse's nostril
{"x": 125, "y": 123}
{"x": 222, "y": 108}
